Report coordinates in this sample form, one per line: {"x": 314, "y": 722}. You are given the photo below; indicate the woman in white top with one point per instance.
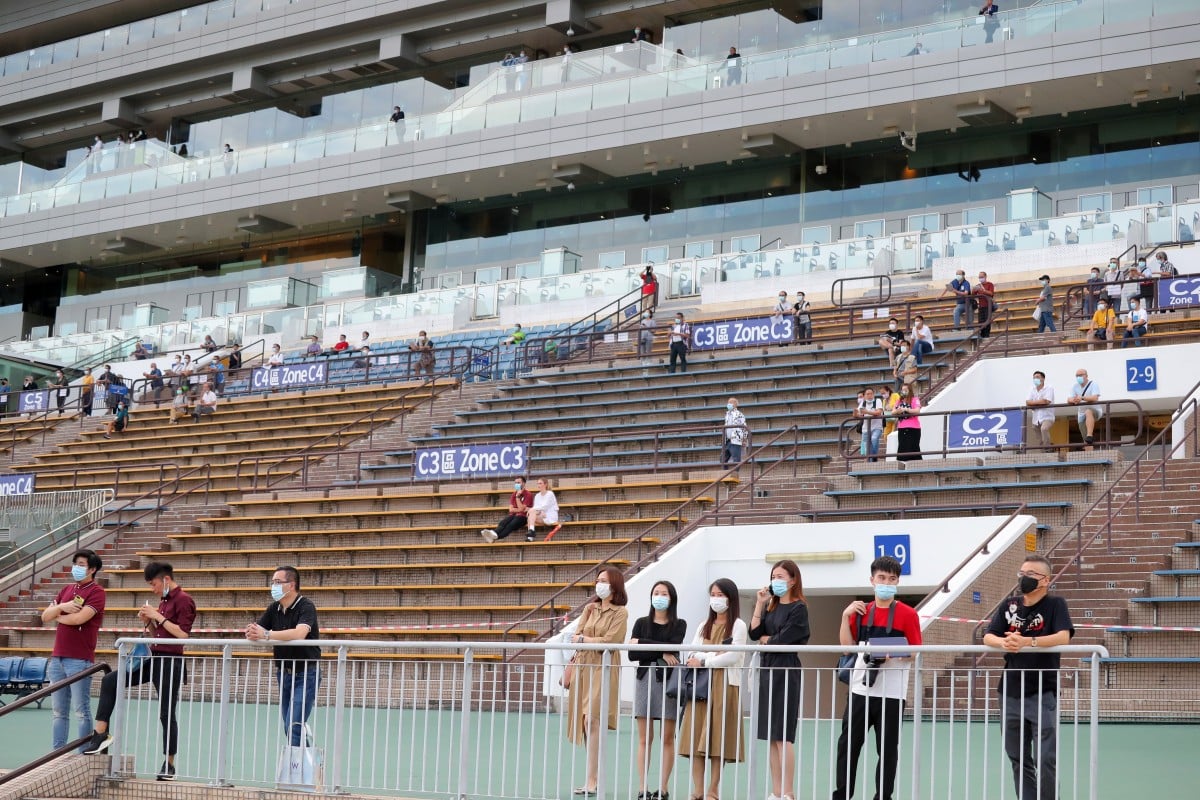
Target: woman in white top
{"x": 646, "y": 334}
{"x": 710, "y": 733}
{"x": 276, "y": 358}
{"x": 1112, "y": 277}
{"x": 922, "y": 338}
{"x": 545, "y": 510}
{"x": 1136, "y": 323}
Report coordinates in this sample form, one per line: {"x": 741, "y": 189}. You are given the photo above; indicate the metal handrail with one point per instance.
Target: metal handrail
{"x": 980, "y": 549}
{"x": 667, "y": 517}
{"x": 1097, "y": 291}
{"x": 93, "y": 506}
{"x": 588, "y": 330}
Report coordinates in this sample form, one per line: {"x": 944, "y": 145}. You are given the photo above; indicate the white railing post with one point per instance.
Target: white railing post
{"x": 221, "y": 777}
{"x": 464, "y": 732}
{"x": 337, "y": 773}
{"x": 918, "y": 691}
{"x": 116, "y": 725}
{"x": 605, "y": 699}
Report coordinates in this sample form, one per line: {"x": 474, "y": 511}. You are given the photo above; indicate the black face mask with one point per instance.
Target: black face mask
{"x": 1027, "y": 585}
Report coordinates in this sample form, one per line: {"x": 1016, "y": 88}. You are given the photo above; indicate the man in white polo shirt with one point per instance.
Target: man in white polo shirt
{"x": 207, "y": 404}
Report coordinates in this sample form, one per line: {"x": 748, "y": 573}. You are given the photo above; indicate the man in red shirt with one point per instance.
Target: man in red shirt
{"x": 985, "y": 302}
{"x": 78, "y": 611}
{"x": 342, "y": 345}
{"x": 519, "y": 504}
{"x": 170, "y": 620}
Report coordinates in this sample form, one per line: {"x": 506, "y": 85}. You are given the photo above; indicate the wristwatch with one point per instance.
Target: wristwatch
{"x": 1033, "y": 641}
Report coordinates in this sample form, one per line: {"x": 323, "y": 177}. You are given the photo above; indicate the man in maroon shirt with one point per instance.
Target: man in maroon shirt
{"x": 519, "y": 504}
{"x": 985, "y": 302}
{"x": 171, "y": 622}
{"x": 78, "y": 611}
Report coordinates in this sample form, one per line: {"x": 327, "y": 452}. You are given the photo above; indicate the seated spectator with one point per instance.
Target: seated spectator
{"x": 423, "y": 347}
{"x": 120, "y": 421}
{"x": 364, "y": 357}
{"x": 155, "y": 376}
{"x": 209, "y": 345}
{"x": 342, "y": 345}
{"x": 517, "y": 336}
{"x": 906, "y": 366}
{"x": 1102, "y": 324}
{"x": 551, "y": 350}
{"x": 1040, "y": 396}
{"x": 207, "y": 404}
{"x": 140, "y": 353}
{"x": 544, "y": 511}
{"x": 1086, "y": 394}
{"x": 519, "y": 503}
{"x": 364, "y": 340}
{"x": 276, "y": 358}
{"x": 890, "y": 341}
{"x": 922, "y": 339}
{"x": 1092, "y": 292}
{"x": 180, "y": 406}
{"x": 175, "y": 370}
{"x": 1137, "y": 323}
{"x": 314, "y": 347}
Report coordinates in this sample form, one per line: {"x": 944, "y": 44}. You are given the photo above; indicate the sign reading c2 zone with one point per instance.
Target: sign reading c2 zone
{"x": 985, "y": 429}
{"x": 742, "y": 332}
{"x": 471, "y": 460}
{"x": 1181, "y": 292}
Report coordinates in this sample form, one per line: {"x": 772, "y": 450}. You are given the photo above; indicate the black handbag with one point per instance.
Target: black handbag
{"x": 688, "y": 684}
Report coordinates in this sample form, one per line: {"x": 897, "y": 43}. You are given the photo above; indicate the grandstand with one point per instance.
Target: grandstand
{"x": 864, "y": 157}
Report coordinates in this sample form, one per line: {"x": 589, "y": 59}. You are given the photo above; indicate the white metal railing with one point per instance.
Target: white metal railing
{"x": 378, "y": 724}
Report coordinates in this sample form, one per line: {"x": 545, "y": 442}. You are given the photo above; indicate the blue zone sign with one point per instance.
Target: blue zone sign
{"x": 985, "y": 429}
{"x": 743, "y": 332}
{"x": 475, "y": 461}
{"x": 1181, "y": 292}
{"x": 898, "y": 547}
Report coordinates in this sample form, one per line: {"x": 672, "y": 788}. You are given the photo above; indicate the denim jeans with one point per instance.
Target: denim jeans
{"x": 75, "y": 698}
{"x": 297, "y": 696}
{"x": 1046, "y": 320}
{"x": 871, "y": 439}
{"x": 731, "y": 454}
{"x": 1030, "y": 741}
{"x": 920, "y": 348}
{"x": 962, "y": 312}
{"x": 1136, "y": 333}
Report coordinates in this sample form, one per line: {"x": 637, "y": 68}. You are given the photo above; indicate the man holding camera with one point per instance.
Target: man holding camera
{"x": 878, "y": 683}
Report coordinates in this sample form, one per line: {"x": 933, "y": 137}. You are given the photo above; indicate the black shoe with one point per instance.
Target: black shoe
{"x": 99, "y": 743}
{"x": 529, "y": 537}
{"x": 166, "y": 772}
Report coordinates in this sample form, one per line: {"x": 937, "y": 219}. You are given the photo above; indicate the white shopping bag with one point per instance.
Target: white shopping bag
{"x": 301, "y": 769}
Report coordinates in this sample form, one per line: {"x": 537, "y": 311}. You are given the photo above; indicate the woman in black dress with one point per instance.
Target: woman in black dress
{"x": 780, "y": 618}
{"x": 661, "y": 626}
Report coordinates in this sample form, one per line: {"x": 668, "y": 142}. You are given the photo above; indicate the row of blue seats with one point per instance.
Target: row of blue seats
{"x": 22, "y": 676}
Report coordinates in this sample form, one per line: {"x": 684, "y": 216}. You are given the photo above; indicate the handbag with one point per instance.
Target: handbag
{"x": 301, "y": 768}
{"x": 568, "y": 675}
{"x": 137, "y": 657}
{"x": 1036, "y": 315}
{"x": 688, "y": 684}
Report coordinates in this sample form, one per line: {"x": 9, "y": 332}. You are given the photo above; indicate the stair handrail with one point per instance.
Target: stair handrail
{"x": 93, "y": 505}
{"x": 943, "y": 586}
{"x": 587, "y": 328}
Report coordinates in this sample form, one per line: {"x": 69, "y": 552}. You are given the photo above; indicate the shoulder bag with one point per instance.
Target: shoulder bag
{"x": 846, "y": 661}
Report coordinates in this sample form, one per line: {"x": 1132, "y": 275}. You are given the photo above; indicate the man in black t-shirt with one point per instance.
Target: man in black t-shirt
{"x": 890, "y": 341}
{"x": 1029, "y": 685}
{"x": 291, "y": 617}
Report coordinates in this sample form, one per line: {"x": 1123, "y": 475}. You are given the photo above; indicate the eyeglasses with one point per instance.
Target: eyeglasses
{"x": 1035, "y": 575}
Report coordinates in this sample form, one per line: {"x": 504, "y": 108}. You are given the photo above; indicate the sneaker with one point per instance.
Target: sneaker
{"x": 166, "y": 772}
{"x": 529, "y": 536}
{"x": 553, "y": 531}
{"x": 99, "y": 743}
{"x": 488, "y": 536}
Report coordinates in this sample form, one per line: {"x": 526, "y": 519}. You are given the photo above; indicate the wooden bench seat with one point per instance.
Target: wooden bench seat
{"x": 264, "y": 551}
{"x": 999, "y": 508}
{"x": 215, "y": 453}
{"x": 1031, "y": 486}
{"x": 423, "y": 529}
{"x": 987, "y": 466}
{"x": 310, "y": 569}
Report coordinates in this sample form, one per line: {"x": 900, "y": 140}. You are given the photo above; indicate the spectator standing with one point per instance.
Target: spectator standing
{"x": 77, "y": 612}
{"x": 985, "y": 304}
{"x": 640, "y": 34}
{"x": 1028, "y": 687}
{"x": 780, "y": 618}
{"x": 1162, "y": 269}
{"x": 544, "y": 511}
{"x": 649, "y": 288}
{"x": 1136, "y": 325}
{"x": 890, "y": 397}
{"x": 908, "y": 425}
{"x": 960, "y": 287}
{"x": 1112, "y": 280}
{"x": 59, "y": 385}
{"x": 1102, "y": 325}
{"x": 30, "y": 385}
{"x": 680, "y": 339}
{"x": 604, "y": 621}
{"x": 1132, "y": 286}
{"x": 519, "y": 504}
{"x": 801, "y": 309}
{"x": 890, "y": 341}
{"x": 209, "y": 345}
{"x": 155, "y": 376}
{"x": 1045, "y": 306}
{"x": 906, "y": 367}
{"x": 207, "y": 405}
{"x": 87, "y": 391}
{"x": 423, "y": 347}
{"x": 364, "y": 339}
{"x": 990, "y": 25}
{"x": 733, "y": 433}
{"x": 1093, "y": 291}
{"x": 1147, "y": 276}
{"x": 170, "y": 619}
{"x": 276, "y": 359}
{"x": 6, "y": 390}
{"x": 710, "y": 732}
{"x": 646, "y": 334}
{"x": 878, "y": 686}
{"x": 1040, "y": 396}
{"x": 235, "y": 358}
{"x": 227, "y": 158}
{"x": 291, "y": 617}
{"x": 661, "y": 626}
{"x": 217, "y": 372}
{"x": 398, "y": 123}
{"x": 870, "y": 411}
{"x": 1086, "y": 394}
{"x": 922, "y": 339}
{"x": 733, "y": 67}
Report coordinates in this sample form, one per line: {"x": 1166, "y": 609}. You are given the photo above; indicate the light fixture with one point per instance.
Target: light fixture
{"x": 1099, "y": 81}
{"x": 570, "y": 30}
{"x": 811, "y": 557}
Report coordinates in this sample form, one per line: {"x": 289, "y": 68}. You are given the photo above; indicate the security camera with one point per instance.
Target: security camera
{"x": 908, "y": 140}
{"x": 821, "y": 169}
{"x": 570, "y": 186}
{"x": 570, "y": 30}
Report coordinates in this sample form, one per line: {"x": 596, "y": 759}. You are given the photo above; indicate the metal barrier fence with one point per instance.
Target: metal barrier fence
{"x": 386, "y": 719}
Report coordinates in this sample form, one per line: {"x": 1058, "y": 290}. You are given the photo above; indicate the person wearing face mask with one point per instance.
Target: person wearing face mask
{"x": 801, "y": 310}
{"x": 878, "y": 685}
{"x": 906, "y": 368}
{"x": 1045, "y": 306}
{"x": 423, "y": 347}
{"x": 661, "y": 626}
{"x": 543, "y": 512}
{"x": 871, "y": 411}
{"x": 922, "y": 339}
{"x": 735, "y": 434}
{"x": 710, "y": 732}
{"x": 1147, "y": 275}
{"x": 908, "y": 425}
{"x": 890, "y": 341}
{"x": 680, "y": 339}
{"x": 291, "y": 617}
{"x": 1101, "y": 327}
{"x": 1023, "y": 626}
{"x": 985, "y": 304}
{"x": 604, "y": 621}
{"x": 1093, "y": 291}
{"x": 77, "y": 612}
{"x": 519, "y": 503}
{"x": 169, "y": 619}
{"x": 782, "y": 307}
{"x": 646, "y": 334}
{"x": 1085, "y": 391}
{"x": 780, "y": 618}
{"x": 1136, "y": 324}
{"x": 649, "y": 288}
{"x": 1112, "y": 285}
{"x": 960, "y": 287}
{"x": 1040, "y": 396}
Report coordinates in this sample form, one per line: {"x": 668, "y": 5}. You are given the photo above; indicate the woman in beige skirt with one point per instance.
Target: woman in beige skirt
{"x": 604, "y": 620}
{"x": 711, "y": 731}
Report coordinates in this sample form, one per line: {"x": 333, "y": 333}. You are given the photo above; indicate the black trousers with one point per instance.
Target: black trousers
{"x": 166, "y": 672}
{"x": 883, "y": 714}
{"x": 985, "y": 321}
{"x": 509, "y": 524}
{"x": 678, "y": 353}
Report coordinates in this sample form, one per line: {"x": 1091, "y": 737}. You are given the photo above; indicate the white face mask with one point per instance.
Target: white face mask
{"x": 603, "y": 590}
{"x": 718, "y": 604}
{"x": 891, "y": 326}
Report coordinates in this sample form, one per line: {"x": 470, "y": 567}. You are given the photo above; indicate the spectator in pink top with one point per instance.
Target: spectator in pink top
{"x": 908, "y": 426}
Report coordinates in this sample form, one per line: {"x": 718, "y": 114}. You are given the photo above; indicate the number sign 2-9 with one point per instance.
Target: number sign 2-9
{"x": 1141, "y": 374}
{"x": 897, "y": 546}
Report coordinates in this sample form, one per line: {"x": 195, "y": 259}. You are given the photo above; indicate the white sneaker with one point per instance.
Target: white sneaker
{"x": 488, "y": 536}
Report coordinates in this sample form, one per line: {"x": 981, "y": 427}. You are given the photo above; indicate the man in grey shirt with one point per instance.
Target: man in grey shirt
{"x": 1086, "y": 395}
{"x": 1045, "y": 306}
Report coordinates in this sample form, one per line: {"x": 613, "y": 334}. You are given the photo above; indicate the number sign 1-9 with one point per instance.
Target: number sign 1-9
{"x": 1141, "y": 374}
{"x": 895, "y": 545}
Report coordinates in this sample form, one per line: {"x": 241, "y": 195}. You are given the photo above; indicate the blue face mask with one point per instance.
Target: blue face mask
{"x": 78, "y": 573}
{"x": 517, "y": 487}
{"x": 1080, "y": 380}
{"x": 276, "y": 592}
{"x": 660, "y": 603}
{"x": 885, "y": 591}
{"x": 779, "y": 587}
{"x": 729, "y": 406}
